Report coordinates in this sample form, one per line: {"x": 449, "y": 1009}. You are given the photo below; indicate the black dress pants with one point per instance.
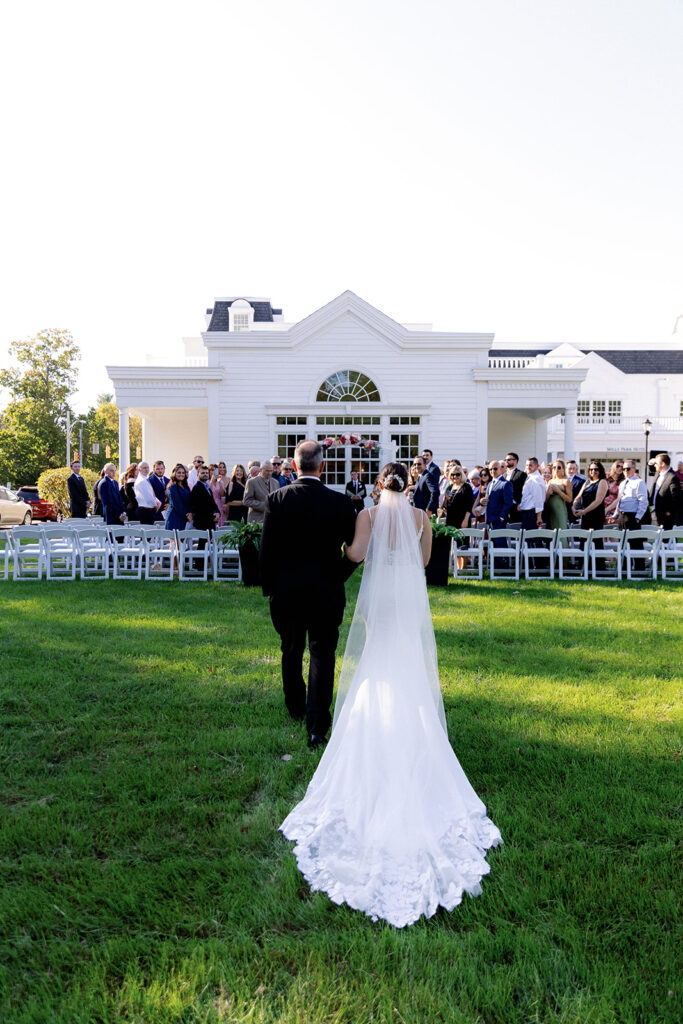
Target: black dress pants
{"x": 315, "y": 612}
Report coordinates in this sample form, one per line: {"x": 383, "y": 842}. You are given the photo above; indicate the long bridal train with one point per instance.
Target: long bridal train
{"x": 390, "y": 824}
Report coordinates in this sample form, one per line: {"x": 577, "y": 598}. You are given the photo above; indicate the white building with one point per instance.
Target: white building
{"x": 253, "y": 385}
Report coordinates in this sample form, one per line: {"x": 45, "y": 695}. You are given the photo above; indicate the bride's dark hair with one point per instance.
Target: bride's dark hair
{"x": 394, "y": 476}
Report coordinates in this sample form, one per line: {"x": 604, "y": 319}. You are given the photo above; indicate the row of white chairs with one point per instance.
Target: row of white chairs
{"x": 76, "y": 548}
{"x": 572, "y": 553}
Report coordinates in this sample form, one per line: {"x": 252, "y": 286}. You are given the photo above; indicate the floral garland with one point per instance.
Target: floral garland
{"x": 345, "y": 439}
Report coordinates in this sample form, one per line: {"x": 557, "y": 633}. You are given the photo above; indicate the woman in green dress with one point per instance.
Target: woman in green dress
{"x": 558, "y": 497}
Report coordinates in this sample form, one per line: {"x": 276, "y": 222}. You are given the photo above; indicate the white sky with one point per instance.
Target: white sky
{"x": 503, "y": 165}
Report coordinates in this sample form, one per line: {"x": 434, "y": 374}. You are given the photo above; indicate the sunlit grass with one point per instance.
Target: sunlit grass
{"x": 144, "y": 879}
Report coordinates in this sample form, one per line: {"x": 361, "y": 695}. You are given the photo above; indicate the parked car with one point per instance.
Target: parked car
{"x": 41, "y": 510}
{"x": 13, "y": 511}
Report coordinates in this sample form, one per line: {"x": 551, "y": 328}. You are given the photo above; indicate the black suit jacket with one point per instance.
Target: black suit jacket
{"x": 78, "y": 496}
{"x": 669, "y": 502}
{"x": 350, "y": 489}
{"x": 202, "y": 507}
{"x": 304, "y": 527}
{"x": 518, "y": 479}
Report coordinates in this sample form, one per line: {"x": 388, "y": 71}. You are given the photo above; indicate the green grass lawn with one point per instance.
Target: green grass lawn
{"x": 143, "y": 877}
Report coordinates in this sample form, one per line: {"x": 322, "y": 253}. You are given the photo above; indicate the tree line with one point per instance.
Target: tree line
{"x": 40, "y": 389}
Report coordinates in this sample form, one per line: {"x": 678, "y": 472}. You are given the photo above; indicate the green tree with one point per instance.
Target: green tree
{"x": 32, "y": 431}
{"x": 102, "y": 427}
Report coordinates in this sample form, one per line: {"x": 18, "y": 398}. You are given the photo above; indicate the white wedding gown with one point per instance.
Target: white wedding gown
{"x": 390, "y": 824}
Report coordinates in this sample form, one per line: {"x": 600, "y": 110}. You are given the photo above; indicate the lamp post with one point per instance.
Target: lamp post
{"x": 647, "y": 427}
{"x": 69, "y": 429}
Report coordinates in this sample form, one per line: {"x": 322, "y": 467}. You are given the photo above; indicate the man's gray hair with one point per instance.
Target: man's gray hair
{"x": 308, "y": 456}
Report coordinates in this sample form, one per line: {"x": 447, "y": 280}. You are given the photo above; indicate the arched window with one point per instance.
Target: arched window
{"x": 348, "y": 386}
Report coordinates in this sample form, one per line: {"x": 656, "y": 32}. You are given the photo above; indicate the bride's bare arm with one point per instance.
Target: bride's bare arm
{"x": 357, "y": 549}
{"x": 426, "y": 538}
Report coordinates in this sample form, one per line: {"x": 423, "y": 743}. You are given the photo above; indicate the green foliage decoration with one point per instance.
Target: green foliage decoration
{"x": 242, "y": 534}
{"x": 52, "y": 486}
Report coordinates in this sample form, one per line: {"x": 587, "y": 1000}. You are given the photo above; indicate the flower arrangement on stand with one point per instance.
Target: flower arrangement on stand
{"x": 346, "y": 439}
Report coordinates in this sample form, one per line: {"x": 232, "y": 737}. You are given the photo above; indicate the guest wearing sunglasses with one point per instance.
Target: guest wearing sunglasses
{"x": 192, "y": 476}
{"x": 459, "y": 500}
{"x": 589, "y": 504}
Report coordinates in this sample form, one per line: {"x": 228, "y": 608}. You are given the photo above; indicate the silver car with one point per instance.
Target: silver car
{"x": 13, "y": 511}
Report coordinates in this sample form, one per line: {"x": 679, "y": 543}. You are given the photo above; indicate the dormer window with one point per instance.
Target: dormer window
{"x": 241, "y": 315}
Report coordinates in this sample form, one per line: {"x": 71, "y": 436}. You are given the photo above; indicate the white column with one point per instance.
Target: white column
{"x": 569, "y": 434}
{"x": 124, "y": 440}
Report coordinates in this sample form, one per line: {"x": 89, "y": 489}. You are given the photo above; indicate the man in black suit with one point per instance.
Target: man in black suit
{"x": 665, "y": 494}
{"x": 517, "y": 478}
{"x": 205, "y": 511}
{"x": 426, "y": 492}
{"x": 356, "y": 491}
{"x": 79, "y": 499}
{"x": 303, "y": 572}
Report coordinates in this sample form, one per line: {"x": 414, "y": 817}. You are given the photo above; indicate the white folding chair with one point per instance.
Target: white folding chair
{"x": 95, "y": 520}
{"x": 225, "y": 555}
{"x": 605, "y": 546}
{"x": 160, "y": 551}
{"x": 28, "y": 554}
{"x": 571, "y": 553}
{"x": 95, "y": 551}
{"x": 194, "y": 554}
{"x": 472, "y": 551}
{"x": 128, "y": 552}
{"x": 641, "y": 564}
{"x": 61, "y": 554}
{"x": 538, "y": 554}
{"x": 671, "y": 554}
{"x": 508, "y": 553}
{"x": 5, "y": 553}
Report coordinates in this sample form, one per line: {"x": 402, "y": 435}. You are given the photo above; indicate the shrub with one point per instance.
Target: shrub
{"x": 52, "y": 486}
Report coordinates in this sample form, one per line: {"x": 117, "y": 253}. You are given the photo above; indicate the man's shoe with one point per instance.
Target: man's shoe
{"x": 314, "y": 742}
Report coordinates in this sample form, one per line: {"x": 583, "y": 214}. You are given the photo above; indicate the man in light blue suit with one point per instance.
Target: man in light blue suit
{"x": 499, "y": 500}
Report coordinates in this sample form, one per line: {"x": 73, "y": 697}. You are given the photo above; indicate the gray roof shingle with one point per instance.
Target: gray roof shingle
{"x": 626, "y": 360}
{"x": 220, "y": 315}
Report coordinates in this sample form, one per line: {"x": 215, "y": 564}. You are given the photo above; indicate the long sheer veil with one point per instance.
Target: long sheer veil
{"x": 391, "y": 639}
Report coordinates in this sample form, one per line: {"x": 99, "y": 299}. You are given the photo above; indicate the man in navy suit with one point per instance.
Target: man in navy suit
{"x": 113, "y": 509}
{"x": 426, "y": 493}
{"x": 498, "y": 501}
{"x": 577, "y": 481}
{"x": 79, "y": 499}
{"x": 431, "y": 467}
{"x": 159, "y": 482}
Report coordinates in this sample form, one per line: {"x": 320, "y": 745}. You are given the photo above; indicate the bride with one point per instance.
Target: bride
{"x": 390, "y": 824}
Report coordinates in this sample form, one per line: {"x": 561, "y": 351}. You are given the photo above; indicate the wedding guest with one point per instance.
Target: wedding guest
{"x": 559, "y": 497}
{"x": 257, "y": 492}
{"x": 147, "y": 501}
{"x": 475, "y": 481}
{"x": 577, "y": 481}
{"x": 97, "y": 509}
{"x": 516, "y": 478}
{"x": 288, "y": 474}
{"x": 254, "y": 467}
{"x": 430, "y": 466}
{"x": 426, "y": 489}
{"x": 459, "y": 500}
{"x": 113, "y": 507}
{"x": 479, "y": 510}
{"x": 679, "y": 471}
{"x": 178, "y": 497}
{"x": 589, "y": 504}
{"x": 665, "y": 496}
{"x": 547, "y": 474}
{"x": 159, "y": 482}
{"x": 498, "y": 501}
{"x": 192, "y": 478}
{"x": 217, "y": 487}
{"x": 356, "y": 491}
{"x": 533, "y": 496}
{"x": 234, "y": 495}
{"x": 205, "y": 511}
{"x": 79, "y": 499}
{"x": 632, "y": 503}
{"x": 278, "y": 477}
{"x": 614, "y": 478}
{"x": 128, "y": 492}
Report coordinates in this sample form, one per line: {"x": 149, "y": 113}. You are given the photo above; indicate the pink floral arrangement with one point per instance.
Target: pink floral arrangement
{"x": 343, "y": 439}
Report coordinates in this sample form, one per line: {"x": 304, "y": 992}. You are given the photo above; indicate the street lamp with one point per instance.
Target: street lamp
{"x": 69, "y": 428}
{"x": 647, "y": 427}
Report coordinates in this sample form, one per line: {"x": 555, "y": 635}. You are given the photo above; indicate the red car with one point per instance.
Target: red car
{"x": 42, "y": 510}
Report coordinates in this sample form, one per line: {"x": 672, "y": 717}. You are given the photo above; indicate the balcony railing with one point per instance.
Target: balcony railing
{"x": 618, "y": 424}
